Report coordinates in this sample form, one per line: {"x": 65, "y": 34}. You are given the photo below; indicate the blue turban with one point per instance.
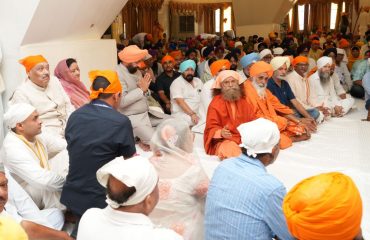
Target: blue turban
{"x": 249, "y": 59}
{"x": 187, "y": 64}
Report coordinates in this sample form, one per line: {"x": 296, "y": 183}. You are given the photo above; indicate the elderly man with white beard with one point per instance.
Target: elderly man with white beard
{"x": 281, "y": 89}
{"x": 323, "y": 91}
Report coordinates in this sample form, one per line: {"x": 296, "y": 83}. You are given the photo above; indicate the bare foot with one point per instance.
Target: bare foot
{"x": 144, "y": 146}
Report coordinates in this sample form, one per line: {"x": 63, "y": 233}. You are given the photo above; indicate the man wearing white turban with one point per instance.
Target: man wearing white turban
{"x": 266, "y": 55}
{"x": 278, "y": 86}
{"x": 323, "y": 92}
{"x": 243, "y": 200}
{"x": 26, "y": 156}
{"x": 132, "y": 193}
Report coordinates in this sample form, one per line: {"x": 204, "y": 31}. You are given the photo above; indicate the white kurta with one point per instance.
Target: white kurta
{"x": 190, "y": 92}
{"x": 43, "y": 185}
{"x": 20, "y": 207}
{"x": 325, "y": 95}
{"x": 52, "y": 104}
{"x": 111, "y": 224}
{"x": 205, "y": 100}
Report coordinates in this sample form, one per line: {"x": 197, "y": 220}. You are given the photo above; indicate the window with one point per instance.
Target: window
{"x": 290, "y": 18}
{"x": 301, "y": 17}
{"x": 333, "y": 15}
{"x": 344, "y": 7}
{"x": 217, "y": 20}
{"x": 227, "y": 17}
{"x": 187, "y": 24}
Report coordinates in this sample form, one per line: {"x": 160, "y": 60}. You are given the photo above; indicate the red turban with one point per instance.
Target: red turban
{"x": 327, "y": 206}
{"x": 343, "y": 43}
{"x": 176, "y": 54}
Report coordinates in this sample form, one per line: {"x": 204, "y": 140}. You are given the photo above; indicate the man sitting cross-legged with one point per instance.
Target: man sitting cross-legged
{"x": 227, "y": 110}
{"x": 268, "y": 106}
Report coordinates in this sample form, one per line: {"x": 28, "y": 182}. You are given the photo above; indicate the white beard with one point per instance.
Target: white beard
{"x": 261, "y": 91}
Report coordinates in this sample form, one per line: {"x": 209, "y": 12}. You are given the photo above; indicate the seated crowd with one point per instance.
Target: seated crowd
{"x": 70, "y": 153}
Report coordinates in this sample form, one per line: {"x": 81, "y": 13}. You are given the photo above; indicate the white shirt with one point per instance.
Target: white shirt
{"x": 323, "y": 95}
{"x": 24, "y": 165}
{"x": 300, "y": 88}
{"x": 190, "y": 92}
{"x": 52, "y": 103}
{"x": 205, "y": 100}
{"x": 111, "y": 224}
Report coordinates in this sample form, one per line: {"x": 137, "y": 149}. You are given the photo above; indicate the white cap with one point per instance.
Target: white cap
{"x": 278, "y": 51}
{"x": 259, "y": 136}
{"x": 321, "y": 62}
{"x": 238, "y": 43}
{"x": 279, "y": 61}
{"x": 265, "y": 52}
{"x": 17, "y": 113}
{"x": 135, "y": 172}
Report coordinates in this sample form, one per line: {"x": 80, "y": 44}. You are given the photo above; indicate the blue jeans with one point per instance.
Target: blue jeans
{"x": 314, "y": 113}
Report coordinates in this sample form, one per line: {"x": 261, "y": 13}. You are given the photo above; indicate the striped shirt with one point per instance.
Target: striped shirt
{"x": 244, "y": 202}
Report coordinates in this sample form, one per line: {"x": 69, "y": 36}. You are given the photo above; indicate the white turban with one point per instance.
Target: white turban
{"x": 277, "y": 62}
{"x": 340, "y": 51}
{"x": 17, "y": 113}
{"x": 265, "y": 52}
{"x": 259, "y": 136}
{"x": 323, "y": 61}
{"x": 238, "y": 43}
{"x": 135, "y": 172}
{"x": 278, "y": 51}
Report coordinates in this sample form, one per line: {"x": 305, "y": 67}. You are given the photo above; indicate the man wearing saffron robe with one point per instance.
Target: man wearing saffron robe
{"x": 268, "y": 106}
{"x": 227, "y": 110}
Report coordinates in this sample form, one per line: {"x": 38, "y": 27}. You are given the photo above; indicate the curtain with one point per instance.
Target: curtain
{"x": 307, "y": 27}
{"x": 140, "y": 16}
{"x": 209, "y": 21}
{"x": 295, "y": 23}
{"x": 339, "y": 14}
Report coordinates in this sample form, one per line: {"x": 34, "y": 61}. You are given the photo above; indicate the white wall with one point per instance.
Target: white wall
{"x": 259, "y": 29}
{"x": 90, "y": 54}
{"x": 56, "y": 29}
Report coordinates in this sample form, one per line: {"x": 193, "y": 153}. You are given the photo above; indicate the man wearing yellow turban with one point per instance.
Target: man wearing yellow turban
{"x": 96, "y": 134}
{"x": 327, "y": 206}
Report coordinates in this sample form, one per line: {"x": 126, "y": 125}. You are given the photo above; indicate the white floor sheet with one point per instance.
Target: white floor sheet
{"x": 340, "y": 144}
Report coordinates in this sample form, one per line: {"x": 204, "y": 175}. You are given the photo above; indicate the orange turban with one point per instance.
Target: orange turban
{"x": 219, "y": 65}
{"x": 111, "y": 76}
{"x": 261, "y": 67}
{"x": 299, "y": 59}
{"x": 327, "y": 206}
{"x": 31, "y": 61}
{"x": 176, "y": 54}
{"x": 224, "y": 75}
{"x": 315, "y": 42}
{"x": 343, "y": 43}
{"x": 132, "y": 54}
{"x": 167, "y": 58}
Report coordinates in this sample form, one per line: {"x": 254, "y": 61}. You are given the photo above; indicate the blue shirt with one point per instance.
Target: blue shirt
{"x": 359, "y": 68}
{"x": 244, "y": 202}
{"x": 95, "y": 134}
{"x": 284, "y": 93}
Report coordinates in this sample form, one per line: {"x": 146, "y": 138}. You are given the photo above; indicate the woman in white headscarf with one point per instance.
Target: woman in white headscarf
{"x": 182, "y": 181}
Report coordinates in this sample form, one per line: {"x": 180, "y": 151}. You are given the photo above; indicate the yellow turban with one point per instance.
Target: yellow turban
{"x": 112, "y": 77}
{"x": 31, "y": 61}
{"x": 10, "y": 230}
{"x": 327, "y": 206}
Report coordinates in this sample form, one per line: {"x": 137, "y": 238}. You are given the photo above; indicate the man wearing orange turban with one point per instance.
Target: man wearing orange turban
{"x": 315, "y": 51}
{"x": 178, "y": 56}
{"x": 227, "y": 110}
{"x": 327, "y": 206}
{"x": 96, "y": 134}
{"x": 269, "y": 107}
{"x": 47, "y": 95}
{"x": 134, "y": 103}
{"x": 164, "y": 82}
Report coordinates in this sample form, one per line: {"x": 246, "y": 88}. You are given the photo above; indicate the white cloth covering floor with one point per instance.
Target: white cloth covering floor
{"x": 340, "y": 144}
